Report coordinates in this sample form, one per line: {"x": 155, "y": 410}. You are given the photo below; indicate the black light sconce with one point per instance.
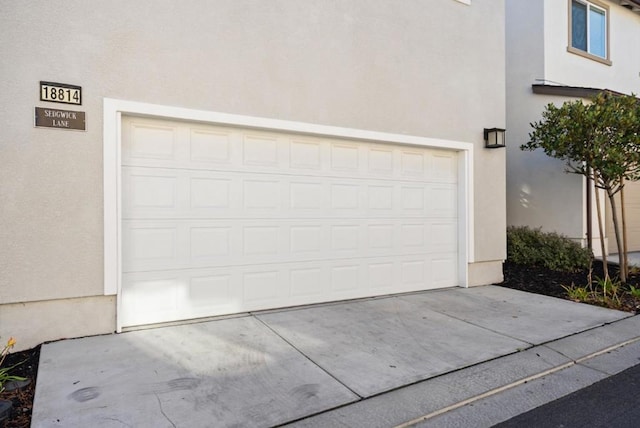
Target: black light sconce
{"x": 494, "y": 138}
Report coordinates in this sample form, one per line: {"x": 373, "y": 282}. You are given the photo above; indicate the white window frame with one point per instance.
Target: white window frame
{"x": 590, "y": 4}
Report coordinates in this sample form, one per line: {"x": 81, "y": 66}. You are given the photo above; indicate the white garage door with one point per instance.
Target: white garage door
{"x": 219, "y": 220}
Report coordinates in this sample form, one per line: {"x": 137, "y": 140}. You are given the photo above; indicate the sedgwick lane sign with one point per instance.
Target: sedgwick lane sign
{"x": 61, "y": 119}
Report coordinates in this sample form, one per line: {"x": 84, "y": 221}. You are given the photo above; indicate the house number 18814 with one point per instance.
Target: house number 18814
{"x": 60, "y": 93}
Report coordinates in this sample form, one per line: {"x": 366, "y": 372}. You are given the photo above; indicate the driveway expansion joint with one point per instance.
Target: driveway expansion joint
{"x": 360, "y": 397}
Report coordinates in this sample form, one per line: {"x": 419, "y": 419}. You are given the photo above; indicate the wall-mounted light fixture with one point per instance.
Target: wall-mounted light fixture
{"x": 494, "y": 138}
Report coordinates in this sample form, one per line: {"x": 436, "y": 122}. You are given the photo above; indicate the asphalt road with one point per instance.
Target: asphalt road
{"x": 613, "y": 403}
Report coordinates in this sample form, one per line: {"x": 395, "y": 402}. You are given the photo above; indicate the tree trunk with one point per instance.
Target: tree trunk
{"x": 623, "y": 214}
{"x": 605, "y": 266}
{"x": 616, "y": 229}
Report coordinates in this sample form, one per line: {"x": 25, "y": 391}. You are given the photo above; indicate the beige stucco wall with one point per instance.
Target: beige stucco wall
{"x": 435, "y": 71}
{"x": 32, "y": 323}
{"x": 539, "y": 193}
{"x": 632, "y": 213}
{"x": 483, "y": 273}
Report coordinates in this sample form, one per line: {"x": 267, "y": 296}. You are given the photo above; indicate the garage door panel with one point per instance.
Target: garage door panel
{"x": 210, "y": 193}
{"x": 413, "y": 164}
{"x": 165, "y": 193}
{"x": 260, "y": 150}
{"x": 149, "y": 300}
{"x": 261, "y": 194}
{"x": 346, "y": 280}
{"x": 185, "y": 244}
{"x": 414, "y": 273}
{"x": 381, "y": 276}
{"x": 345, "y": 197}
{"x": 154, "y": 297}
{"x": 220, "y": 220}
{"x": 443, "y": 167}
{"x": 210, "y": 243}
{"x": 195, "y": 147}
{"x": 153, "y": 243}
{"x": 346, "y": 238}
{"x": 381, "y": 199}
{"x": 150, "y": 245}
{"x": 381, "y": 162}
{"x": 308, "y": 238}
{"x": 444, "y": 271}
{"x": 413, "y": 200}
{"x": 414, "y": 236}
{"x": 210, "y": 146}
{"x": 345, "y": 158}
{"x": 263, "y": 288}
{"x": 443, "y": 201}
{"x": 306, "y": 282}
{"x": 261, "y": 240}
{"x": 380, "y": 237}
{"x": 210, "y": 294}
{"x": 150, "y": 190}
{"x": 307, "y": 196}
{"x": 306, "y": 155}
{"x": 160, "y": 296}
{"x": 152, "y": 141}
{"x": 443, "y": 236}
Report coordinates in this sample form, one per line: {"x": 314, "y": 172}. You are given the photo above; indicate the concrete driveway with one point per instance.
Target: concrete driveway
{"x": 316, "y": 365}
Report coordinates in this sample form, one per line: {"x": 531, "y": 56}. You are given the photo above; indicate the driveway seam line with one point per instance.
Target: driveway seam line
{"x": 360, "y": 397}
{"x": 629, "y": 315}
{"x": 484, "y": 328}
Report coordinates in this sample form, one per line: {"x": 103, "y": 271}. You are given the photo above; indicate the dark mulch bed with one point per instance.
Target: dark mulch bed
{"x": 22, "y": 399}
{"x": 544, "y": 281}
{"x": 526, "y": 278}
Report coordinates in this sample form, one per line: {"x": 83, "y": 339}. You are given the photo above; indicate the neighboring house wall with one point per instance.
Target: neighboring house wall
{"x": 574, "y": 70}
{"x": 632, "y": 216}
{"x": 435, "y": 71}
{"x": 539, "y": 193}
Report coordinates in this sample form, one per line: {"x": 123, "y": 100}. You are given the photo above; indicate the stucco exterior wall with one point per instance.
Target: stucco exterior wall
{"x": 32, "y": 323}
{"x": 434, "y": 71}
{"x": 537, "y": 188}
{"x": 539, "y": 193}
{"x": 623, "y": 75}
{"x": 524, "y": 47}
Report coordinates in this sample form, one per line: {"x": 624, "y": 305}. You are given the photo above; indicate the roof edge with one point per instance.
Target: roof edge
{"x": 570, "y": 91}
{"x": 633, "y": 5}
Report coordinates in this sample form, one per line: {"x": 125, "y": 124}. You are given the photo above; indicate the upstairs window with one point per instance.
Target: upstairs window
{"x": 589, "y": 30}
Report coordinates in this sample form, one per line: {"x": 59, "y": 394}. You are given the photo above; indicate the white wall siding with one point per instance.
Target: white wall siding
{"x": 574, "y": 70}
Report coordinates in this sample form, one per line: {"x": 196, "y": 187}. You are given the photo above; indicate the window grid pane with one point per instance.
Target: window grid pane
{"x": 579, "y": 25}
{"x": 597, "y": 32}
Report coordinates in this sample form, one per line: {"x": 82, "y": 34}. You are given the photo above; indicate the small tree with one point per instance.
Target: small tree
{"x": 599, "y": 140}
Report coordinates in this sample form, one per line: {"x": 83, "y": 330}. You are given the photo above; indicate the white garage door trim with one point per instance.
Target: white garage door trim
{"x": 114, "y": 109}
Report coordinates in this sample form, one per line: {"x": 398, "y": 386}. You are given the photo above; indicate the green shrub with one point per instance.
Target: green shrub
{"x": 533, "y": 247}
